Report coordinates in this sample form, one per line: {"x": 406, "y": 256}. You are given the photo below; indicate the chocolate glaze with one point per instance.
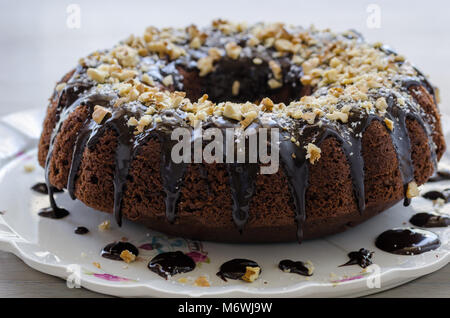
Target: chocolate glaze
{"x": 53, "y": 212}
{"x": 80, "y": 91}
{"x": 430, "y": 219}
{"x": 171, "y": 263}
{"x": 298, "y": 267}
{"x": 362, "y": 258}
{"x": 407, "y": 241}
{"x": 41, "y": 187}
{"x": 113, "y": 250}
{"x": 235, "y": 268}
{"x": 81, "y": 230}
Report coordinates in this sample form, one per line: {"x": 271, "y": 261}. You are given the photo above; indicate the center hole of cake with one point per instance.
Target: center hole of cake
{"x": 240, "y": 82}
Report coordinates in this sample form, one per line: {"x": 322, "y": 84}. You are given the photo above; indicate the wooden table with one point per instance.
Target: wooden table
{"x": 38, "y": 47}
{"x": 19, "y": 280}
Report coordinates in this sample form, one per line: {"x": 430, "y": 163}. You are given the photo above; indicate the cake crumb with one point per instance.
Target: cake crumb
{"x": 127, "y": 256}
{"x": 313, "y": 153}
{"x": 183, "y": 280}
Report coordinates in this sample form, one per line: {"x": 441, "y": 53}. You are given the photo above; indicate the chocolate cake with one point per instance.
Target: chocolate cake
{"x": 359, "y": 130}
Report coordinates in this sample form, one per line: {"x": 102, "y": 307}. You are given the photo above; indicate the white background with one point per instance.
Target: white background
{"x": 37, "y": 47}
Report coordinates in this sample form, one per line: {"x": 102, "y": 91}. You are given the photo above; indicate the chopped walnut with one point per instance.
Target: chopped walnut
{"x": 267, "y": 104}
{"x": 148, "y": 80}
{"x": 312, "y": 153}
{"x": 132, "y": 121}
{"x": 412, "y": 190}
{"x": 257, "y": 61}
{"x": 205, "y": 65}
{"x": 389, "y": 124}
{"x": 337, "y": 115}
{"x": 274, "y": 84}
{"x": 29, "y": 168}
{"x": 233, "y": 111}
{"x": 105, "y": 225}
{"x": 60, "y": 87}
{"x": 233, "y": 50}
{"x": 202, "y": 281}
{"x": 168, "y": 80}
{"x": 249, "y": 118}
{"x": 251, "y": 274}
{"x": 284, "y": 45}
{"x": 100, "y": 113}
{"x": 381, "y": 104}
{"x": 127, "y": 256}
{"x": 276, "y": 69}
{"x": 97, "y": 75}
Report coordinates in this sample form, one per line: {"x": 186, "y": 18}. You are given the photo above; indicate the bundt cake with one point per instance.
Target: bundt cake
{"x": 359, "y": 130}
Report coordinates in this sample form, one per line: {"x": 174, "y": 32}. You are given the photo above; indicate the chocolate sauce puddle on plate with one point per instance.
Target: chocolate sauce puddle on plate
{"x": 298, "y": 267}
{"x": 407, "y": 241}
{"x": 171, "y": 263}
{"x": 441, "y": 175}
{"x": 430, "y": 219}
{"x": 434, "y": 195}
{"x": 41, "y": 187}
{"x": 362, "y": 258}
{"x": 81, "y": 230}
{"x": 53, "y": 213}
{"x": 113, "y": 250}
{"x": 235, "y": 269}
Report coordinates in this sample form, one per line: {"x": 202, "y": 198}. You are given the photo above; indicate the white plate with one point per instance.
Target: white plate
{"x": 52, "y": 247}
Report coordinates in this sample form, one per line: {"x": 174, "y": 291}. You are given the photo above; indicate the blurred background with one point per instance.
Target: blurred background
{"x": 42, "y": 40}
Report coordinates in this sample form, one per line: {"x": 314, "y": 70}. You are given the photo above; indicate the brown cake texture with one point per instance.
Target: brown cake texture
{"x": 277, "y": 69}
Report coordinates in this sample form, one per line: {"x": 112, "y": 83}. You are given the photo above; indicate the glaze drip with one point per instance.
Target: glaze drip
{"x": 242, "y": 183}
{"x": 41, "y": 187}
